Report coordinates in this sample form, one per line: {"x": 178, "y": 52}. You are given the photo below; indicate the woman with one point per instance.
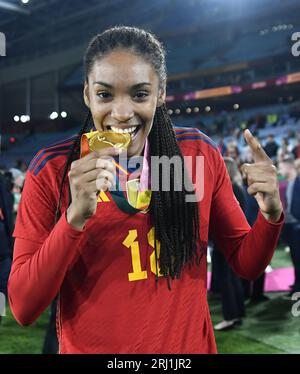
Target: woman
{"x": 110, "y": 265}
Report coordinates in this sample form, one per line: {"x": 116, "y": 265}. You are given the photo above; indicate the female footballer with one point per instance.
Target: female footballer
{"x": 131, "y": 272}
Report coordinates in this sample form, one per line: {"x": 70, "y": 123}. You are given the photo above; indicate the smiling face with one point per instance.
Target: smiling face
{"x": 122, "y": 93}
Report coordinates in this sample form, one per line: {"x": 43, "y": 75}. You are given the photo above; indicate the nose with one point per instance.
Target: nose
{"x": 122, "y": 111}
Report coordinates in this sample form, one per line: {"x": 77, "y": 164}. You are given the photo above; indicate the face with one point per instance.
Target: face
{"x": 231, "y": 152}
{"x": 122, "y": 93}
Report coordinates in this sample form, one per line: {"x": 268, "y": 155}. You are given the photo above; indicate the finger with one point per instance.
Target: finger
{"x": 103, "y": 184}
{"x": 106, "y": 164}
{"x": 258, "y": 153}
{"x": 253, "y": 175}
{"x": 263, "y": 166}
{"x": 256, "y": 179}
{"x": 105, "y": 152}
{"x": 258, "y": 187}
{"x": 107, "y": 175}
{"x": 245, "y": 168}
{"x": 92, "y": 175}
{"x": 110, "y": 152}
{"x": 89, "y": 189}
{"x": 83, "y": 160}
{"x": 259, "y": 172}
{"x": 82, "y": 166}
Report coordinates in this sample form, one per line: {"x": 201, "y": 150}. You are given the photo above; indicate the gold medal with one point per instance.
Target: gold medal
{"x": 97, "y": 140}
{"x": 104, "y": 139}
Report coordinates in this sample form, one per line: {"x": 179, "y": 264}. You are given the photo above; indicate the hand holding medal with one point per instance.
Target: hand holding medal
{"x": 93, "y": 172}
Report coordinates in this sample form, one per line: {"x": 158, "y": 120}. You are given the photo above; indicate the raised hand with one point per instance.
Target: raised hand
{"x": 262, "y": 180}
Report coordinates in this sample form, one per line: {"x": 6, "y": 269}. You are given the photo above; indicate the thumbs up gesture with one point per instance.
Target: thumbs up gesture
{"x": 262, "y": 180}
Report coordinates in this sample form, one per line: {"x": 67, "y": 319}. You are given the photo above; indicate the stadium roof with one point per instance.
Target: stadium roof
{"x": 46, "y": 26}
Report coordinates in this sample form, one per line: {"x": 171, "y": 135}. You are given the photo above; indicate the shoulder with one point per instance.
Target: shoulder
{"x": 51, "y": 158}
{"x": 194, "y": 142}
{"x": 193, "y": 137}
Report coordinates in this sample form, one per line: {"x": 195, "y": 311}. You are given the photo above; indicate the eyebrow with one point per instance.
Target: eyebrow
{"x": 138, "y": 85}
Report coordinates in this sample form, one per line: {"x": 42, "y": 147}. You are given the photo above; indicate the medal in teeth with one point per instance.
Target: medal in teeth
{"x": 114, "y": 137}
{"x": 129, "y": 130}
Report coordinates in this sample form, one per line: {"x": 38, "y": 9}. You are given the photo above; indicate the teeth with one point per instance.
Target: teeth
{"x": 124, "y": 131}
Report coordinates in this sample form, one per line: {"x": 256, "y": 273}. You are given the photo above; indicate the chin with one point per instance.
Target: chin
{"x": 137, "y": 146}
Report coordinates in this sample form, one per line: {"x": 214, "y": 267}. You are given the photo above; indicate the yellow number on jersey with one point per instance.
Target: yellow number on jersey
{"x": 152, "y": 257}
{"x": 129, "y": 242}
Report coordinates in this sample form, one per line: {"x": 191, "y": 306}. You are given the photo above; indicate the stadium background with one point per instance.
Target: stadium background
{"x": 231, "y": 64}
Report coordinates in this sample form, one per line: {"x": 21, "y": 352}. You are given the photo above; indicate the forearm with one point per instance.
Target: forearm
{"x": 74, "y": 219}
{"x": 273, "y": 217}
{"x": 256, "y": 248}
{"x": 39, "y": 270}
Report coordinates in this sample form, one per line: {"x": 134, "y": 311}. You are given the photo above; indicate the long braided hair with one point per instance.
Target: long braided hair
{"x": 176, "y": 221}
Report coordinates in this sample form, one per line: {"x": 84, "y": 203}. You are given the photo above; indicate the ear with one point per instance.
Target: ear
{"x": 86, "y": 94}
{"x": 161, "y": 96}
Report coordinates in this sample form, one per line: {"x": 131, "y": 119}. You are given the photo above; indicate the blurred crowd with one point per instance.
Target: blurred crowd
{"x": 231, "y": 124}
{"x": 284, "y": 150}
{"x": 11, "y": 186}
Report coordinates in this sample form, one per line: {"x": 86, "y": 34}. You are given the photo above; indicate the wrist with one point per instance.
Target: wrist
{"x": 273, "y": 217}
{"x": 74, "y": 220}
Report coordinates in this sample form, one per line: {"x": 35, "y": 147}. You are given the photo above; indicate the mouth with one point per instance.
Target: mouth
{"x": 132, "y": 131}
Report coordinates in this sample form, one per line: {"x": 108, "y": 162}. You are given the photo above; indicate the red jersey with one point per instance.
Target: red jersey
{"x": 105, "y": 274}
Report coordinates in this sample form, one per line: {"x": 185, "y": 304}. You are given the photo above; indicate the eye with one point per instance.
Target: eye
{"x": 103, "y": 95}
{"x": 141, "y": 95}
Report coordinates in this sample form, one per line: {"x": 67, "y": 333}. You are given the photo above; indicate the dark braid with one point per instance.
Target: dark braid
{"x": 176, "y": 221}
